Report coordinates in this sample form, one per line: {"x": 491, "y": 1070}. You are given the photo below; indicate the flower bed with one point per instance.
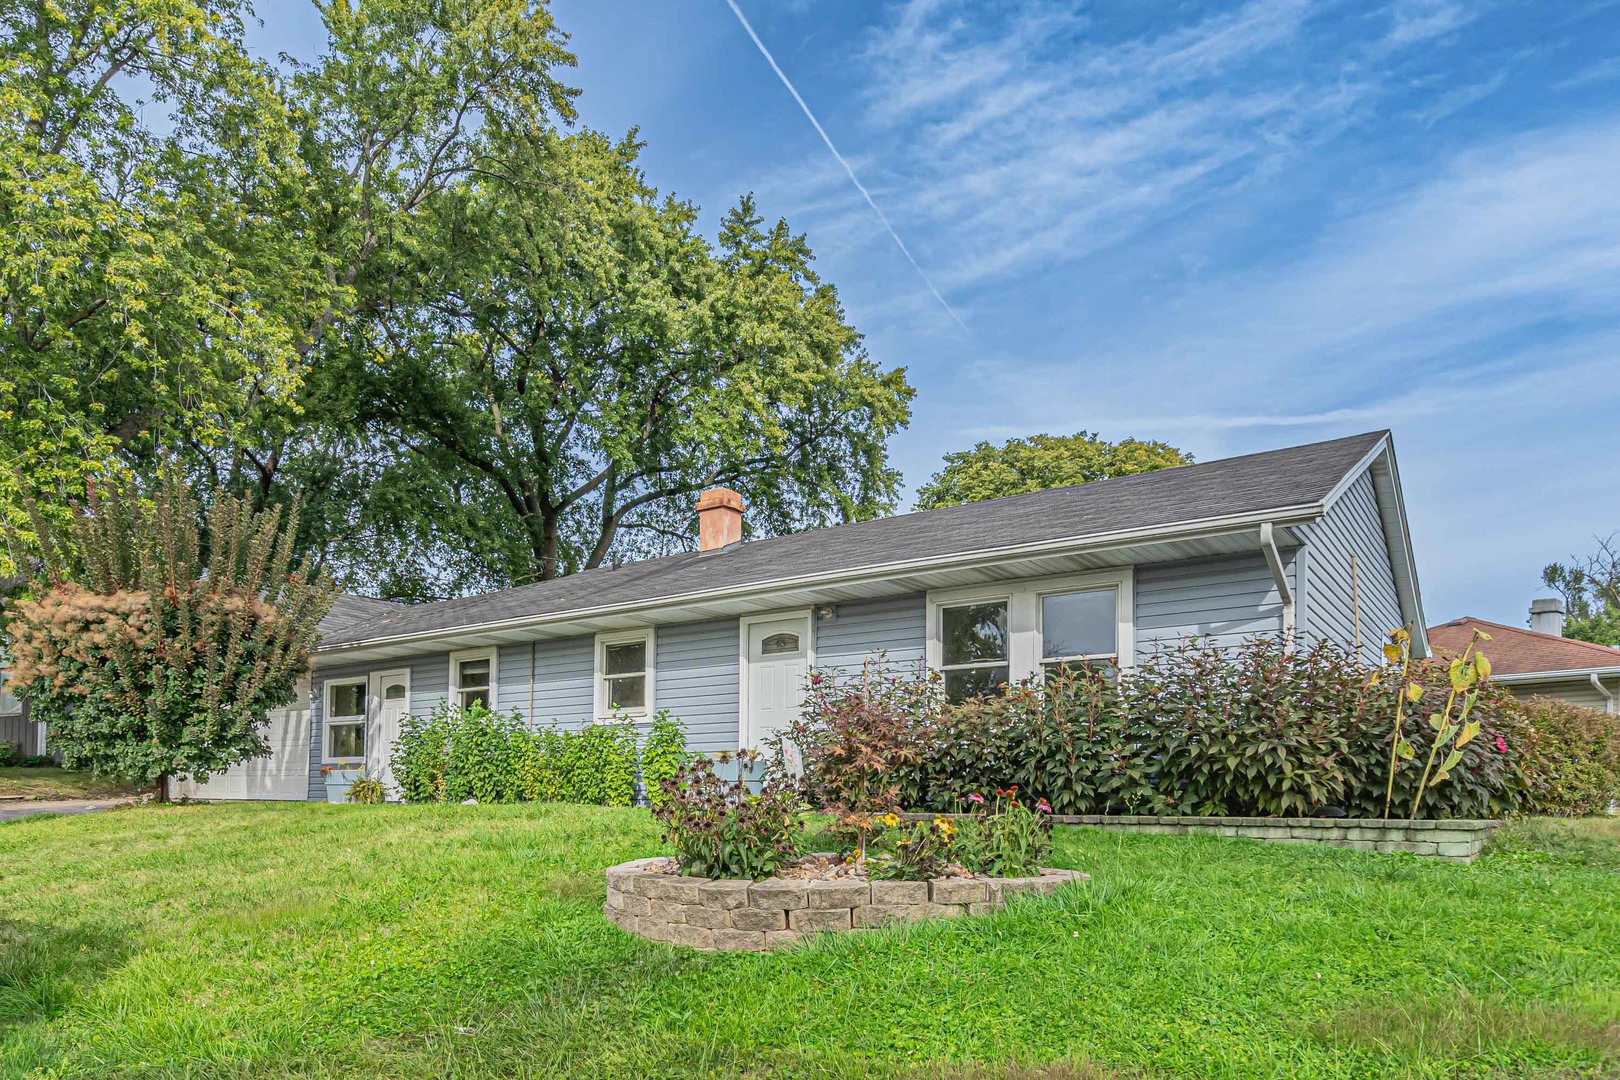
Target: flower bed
{"x": 650, "y": 898}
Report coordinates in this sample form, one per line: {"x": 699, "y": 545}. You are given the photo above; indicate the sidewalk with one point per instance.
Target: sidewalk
{"x": 12, "y": 809}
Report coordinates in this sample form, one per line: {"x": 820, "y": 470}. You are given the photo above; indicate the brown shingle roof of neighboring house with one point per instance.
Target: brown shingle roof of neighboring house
{"x": 1514, "y": 650}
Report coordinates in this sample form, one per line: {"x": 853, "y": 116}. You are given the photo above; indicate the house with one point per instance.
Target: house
{"x": 1540, "y": 661}
{"x": 1307, "y": 542}
{"x": 15, "y": 727}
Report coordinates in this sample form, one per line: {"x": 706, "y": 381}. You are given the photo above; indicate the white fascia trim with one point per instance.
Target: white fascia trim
{"x": 599, "y": 702}
{"x": 1023, "y": 620}
{"x": 1572, "y": 674}
{"x": 1235, "y": 523}
{"x": 492, "y": 653}
{"x": 1392, "y": 511}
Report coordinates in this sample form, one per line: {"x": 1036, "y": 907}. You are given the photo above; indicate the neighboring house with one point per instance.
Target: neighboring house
{"x": 1540, "y": 661}
{"x": 1308, "y": 542}
{"x": 15, "y": 727}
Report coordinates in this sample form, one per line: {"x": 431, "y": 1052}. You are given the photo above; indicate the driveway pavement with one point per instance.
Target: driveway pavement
{"x": 12, "y": 809}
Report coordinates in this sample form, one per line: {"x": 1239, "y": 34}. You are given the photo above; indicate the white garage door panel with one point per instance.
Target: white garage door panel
{"x": 282, "y": 775}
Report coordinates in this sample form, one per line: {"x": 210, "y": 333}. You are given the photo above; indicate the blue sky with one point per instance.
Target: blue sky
{"x": 1229, "y": 227}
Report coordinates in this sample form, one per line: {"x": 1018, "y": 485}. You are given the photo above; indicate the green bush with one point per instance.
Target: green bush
{"x": 1200, "y": 729}
{"x": 719, "y": 828}
{"x": 8, "y": 753}
{"x": 1577, "y": 770}
{"x": 366, "y": 789}
{"x": 454, "y": 754}
{"x": 662, "y": 755}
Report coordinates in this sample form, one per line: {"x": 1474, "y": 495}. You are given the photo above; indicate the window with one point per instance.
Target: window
{"x": 9, "y": 703}
{"x": 624, "y": 673}
{"x": 345, "y": 719}
{"x": 779, "y": 644}
{"x": 1080, "y": 628}
{"x": 974, "y": 651}
{"x": 472, "y": 677}
{"x": 982, "y": 637}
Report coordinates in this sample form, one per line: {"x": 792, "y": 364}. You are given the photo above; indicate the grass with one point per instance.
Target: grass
{"x": 248, "y": 941}
{"x": 53, "y": 783}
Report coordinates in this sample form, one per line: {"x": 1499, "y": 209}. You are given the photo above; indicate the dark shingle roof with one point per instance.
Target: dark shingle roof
{"x": 350, "y": 612}
{"x": 1251, "y": 484}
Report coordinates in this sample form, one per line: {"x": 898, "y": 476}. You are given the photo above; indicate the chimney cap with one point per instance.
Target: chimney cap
{"x": 1547, "y": 604}
{"x": 720, "y": 498}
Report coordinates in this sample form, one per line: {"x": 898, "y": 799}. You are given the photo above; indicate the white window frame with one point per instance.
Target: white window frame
{"x": 486, "y": 652}
{"x": 600, "y": 708}
{"x": 326, "y": 719}
{"x": 1023, "y": 600}
{"x": 5, "y": 674}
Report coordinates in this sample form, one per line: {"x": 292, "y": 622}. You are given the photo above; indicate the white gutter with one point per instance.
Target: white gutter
{"x": 1279, "y": 574}
{"x": 1124, "y": 538}
{"x": 1556, "y": 676}
{"x": 1608, "y": 695}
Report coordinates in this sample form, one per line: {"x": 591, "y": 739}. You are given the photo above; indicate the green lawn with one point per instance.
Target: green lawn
{"x": 52, "y": 783}
{"x": 313, "y": 940}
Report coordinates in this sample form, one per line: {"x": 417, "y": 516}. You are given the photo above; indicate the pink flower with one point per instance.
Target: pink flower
{"x": 1043, "y": 807}
{"x": 976, "y": 797}
{"x": 1501, "y": 745}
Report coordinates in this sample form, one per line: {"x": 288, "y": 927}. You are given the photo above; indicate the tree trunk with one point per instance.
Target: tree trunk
{"x": 160, "y": 790}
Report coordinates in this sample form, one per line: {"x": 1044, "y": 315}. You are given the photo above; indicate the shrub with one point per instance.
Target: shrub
{"x": 718, "y": 828}
{"x": 854, "y": 737}
{"x": 1577, "y": 767}
{"x": 456, "y": 754}
{"x": 151, "y": 653}
{"x": 8, "y": 753}
{"x": 662, "y": 756}
{"x": 1194, "y": 729}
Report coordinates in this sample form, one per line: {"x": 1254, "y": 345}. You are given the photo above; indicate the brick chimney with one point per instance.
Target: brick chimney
{"x": 1547, "y": 616}
{"x": 720, "y": 512}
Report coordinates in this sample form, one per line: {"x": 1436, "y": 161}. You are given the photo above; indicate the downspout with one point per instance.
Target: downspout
{"x": 528, "y": 721}
{"x": 1608, "y": 695}
{"x": 1279, "y": 575}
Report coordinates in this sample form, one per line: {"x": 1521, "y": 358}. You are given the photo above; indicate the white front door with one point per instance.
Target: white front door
{"x": 776, "y": 660}
{"x": 391, "y": 693}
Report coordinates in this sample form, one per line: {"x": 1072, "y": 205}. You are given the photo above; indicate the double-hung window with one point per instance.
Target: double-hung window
{"x": 1080, "y": 629}
{"x": 345, "y": 721}
{"x": 472, "y": 677}
{"x": 624, "y": 674}
{"x": 984, "y": 637}
{"x": 974, "y": 648}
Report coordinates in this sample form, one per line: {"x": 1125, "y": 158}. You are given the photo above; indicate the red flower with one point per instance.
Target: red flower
{"x": 1501, "y": 745}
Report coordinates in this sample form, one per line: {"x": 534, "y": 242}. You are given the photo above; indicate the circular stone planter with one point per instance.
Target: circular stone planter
{"x": 730, "y": 914}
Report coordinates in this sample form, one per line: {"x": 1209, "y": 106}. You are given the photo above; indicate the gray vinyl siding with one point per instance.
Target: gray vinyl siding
{"x": 430, "y": 682}
{"x": 1574, "y": 691}
{"x": 21, "y": 732}
{"x": 697, "y": 680}
{"x": 513, "y": 666}
{"x": 896, "y": 627}
{"x": 1227, "y": 599}
{"x": 564, "y": 674}
{"x": 1351, "y": 525}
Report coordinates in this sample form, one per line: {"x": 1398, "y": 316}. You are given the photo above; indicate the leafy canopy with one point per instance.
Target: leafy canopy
{"x": 1040, "y": 462}
{"x": 1590, "y": 586}
{"x": 566, "y": 362}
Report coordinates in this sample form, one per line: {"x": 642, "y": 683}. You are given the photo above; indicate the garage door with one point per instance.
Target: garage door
{"x": 282, "y": 775}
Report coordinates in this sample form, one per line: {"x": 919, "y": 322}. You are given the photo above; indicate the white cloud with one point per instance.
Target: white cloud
{"x": 1419, "y": 20}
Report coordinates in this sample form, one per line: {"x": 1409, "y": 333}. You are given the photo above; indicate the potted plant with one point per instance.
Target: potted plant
{"x": 338, "y": 778}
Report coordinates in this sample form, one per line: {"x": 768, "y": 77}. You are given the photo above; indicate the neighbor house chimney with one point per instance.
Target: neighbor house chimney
{"x": 1547, "y": 616}
{"x": 720, "y": 513}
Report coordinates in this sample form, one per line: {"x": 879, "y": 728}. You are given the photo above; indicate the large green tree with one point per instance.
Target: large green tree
{"x": 187, "y": 227}
{"x": 568, "y": 361}
{"x": 1590, "y": 586}
{"x": 989, "y": 471}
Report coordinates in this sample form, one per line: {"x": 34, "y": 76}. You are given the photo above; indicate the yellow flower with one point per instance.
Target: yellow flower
{"x": 891, "y": 820}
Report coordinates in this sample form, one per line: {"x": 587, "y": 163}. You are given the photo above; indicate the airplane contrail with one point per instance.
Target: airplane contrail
{"x": 867, "y": 195}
